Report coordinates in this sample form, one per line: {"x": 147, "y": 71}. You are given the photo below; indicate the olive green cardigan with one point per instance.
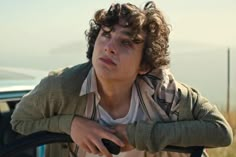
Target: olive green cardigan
{"x": 53, "y": 104}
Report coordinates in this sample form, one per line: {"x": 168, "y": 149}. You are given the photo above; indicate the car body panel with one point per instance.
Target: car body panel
{"x": 14, "y": 84}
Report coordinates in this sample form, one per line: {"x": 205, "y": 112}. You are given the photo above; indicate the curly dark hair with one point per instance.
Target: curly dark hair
{"x": 149, "y": 19}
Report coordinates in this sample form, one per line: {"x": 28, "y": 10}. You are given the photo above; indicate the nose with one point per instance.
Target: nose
{"x": 110, "y": 47}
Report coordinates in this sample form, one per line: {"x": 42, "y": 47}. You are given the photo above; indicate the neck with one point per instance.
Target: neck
{"x": 114, "y": 92}
{"x": 115, "y": 96}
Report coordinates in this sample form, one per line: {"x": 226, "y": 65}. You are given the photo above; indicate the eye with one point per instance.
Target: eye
{"x": 106, "y": 34}
{"x": 126, "y": 42}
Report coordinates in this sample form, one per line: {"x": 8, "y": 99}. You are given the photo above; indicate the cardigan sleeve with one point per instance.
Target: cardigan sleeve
{"x": 208, "y": 128}
{"x": 37, "y": 111}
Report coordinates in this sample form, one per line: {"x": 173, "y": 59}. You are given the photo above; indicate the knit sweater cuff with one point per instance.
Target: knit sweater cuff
{"x": 139, "y": 135}
{"x": 65, "y": 123}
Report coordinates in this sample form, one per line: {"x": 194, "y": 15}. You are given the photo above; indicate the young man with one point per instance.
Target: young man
{"x": 125, "y": 93}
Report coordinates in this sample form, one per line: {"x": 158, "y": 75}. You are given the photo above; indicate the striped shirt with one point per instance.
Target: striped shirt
{"x": 157, "y": 87}
{"x": 154, "y": 97}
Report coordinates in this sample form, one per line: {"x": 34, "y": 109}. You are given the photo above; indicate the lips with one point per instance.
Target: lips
{"x": 107, "y": 61}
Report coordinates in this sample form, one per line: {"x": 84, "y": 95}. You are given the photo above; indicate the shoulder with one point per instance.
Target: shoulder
{"x": 190, "y": 93}
{"x": 66, "y": 78}
{"x": 192, "y": 104}
{"x": 68, "y": 72}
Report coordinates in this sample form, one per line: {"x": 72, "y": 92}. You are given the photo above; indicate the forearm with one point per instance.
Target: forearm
{"x": 210, "y": 131}
{"x": 39, "y": 110}
{"x": 29, "y": 125}
{"x": 155, "y": 136}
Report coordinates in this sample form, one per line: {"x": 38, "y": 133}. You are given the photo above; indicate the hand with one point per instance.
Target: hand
{"x": 88, "y": 134}
{"x": 122, "y": 134}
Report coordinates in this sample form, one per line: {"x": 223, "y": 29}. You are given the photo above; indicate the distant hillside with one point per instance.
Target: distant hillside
{"x": 175, "y": 47}
{"x": 68, "y": 48}
{"x": 197, "y": 47}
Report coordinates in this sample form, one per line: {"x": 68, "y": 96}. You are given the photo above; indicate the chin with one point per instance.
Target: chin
{"x": 104, "y": 73}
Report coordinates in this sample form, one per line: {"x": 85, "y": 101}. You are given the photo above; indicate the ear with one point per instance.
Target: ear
{"x": 144, "y": 69}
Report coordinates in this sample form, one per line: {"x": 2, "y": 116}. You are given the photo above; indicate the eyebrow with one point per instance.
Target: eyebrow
{"x": 127, "y": 33}
{"x": 124, "y": 32}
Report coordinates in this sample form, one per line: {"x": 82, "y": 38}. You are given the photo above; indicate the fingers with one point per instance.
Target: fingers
{"x": 121, "y": 131}
{"x": 126, "y": 148}
{"x": 93, "y": 148}
{"x": 100, "y": 146}
{"x": 109, "y": 133}
{"x": 96, "y": 147}
{"x": 85, "y": 147}
{"x": 111, "y": 130}
{"x": 114, "y": 139}
{"x": 90, "y": 139}
{"x": 93, "y": 144}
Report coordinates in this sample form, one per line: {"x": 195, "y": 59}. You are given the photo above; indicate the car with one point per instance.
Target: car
{"x": 14, "y": 84}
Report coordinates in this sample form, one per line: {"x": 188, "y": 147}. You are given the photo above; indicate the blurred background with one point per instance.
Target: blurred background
{"x": 47, "y": 35}
{"x": 39, "y": 36}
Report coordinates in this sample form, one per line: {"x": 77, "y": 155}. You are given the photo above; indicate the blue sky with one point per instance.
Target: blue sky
{"x": 28, "y": 25}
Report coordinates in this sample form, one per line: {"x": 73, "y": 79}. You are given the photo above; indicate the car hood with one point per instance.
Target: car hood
{"x": 18, "y": 79}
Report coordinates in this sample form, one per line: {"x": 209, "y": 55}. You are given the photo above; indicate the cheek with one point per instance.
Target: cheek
{"x": 97, "y": 48}
{"x": 96, "y": 45}
{"x": 100, "y": 41}
{"x": 130, "y": 64}
{"x": 95, "y": 53}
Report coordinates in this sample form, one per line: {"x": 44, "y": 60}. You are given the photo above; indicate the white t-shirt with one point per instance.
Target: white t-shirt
{"x": 135, "y": 114}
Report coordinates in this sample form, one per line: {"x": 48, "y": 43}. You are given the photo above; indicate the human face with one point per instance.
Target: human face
{"x": 116, "y": 56}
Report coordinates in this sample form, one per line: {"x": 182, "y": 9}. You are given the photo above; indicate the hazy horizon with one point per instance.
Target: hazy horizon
{"x": 205, "y": 68}
{"x": 47, "y": 35}
{"x": 39, "y": 26}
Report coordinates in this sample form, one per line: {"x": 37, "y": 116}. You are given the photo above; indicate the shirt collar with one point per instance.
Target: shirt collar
{"x": 90, "y": 83}
{"x": 163, "y": 76}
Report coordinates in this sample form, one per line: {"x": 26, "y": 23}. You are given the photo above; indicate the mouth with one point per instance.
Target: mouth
{"x": 107, "y": 61}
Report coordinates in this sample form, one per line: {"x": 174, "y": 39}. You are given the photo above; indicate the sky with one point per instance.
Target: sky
{"x": 40, "y": 26}
{"x": 49, "y": 34}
